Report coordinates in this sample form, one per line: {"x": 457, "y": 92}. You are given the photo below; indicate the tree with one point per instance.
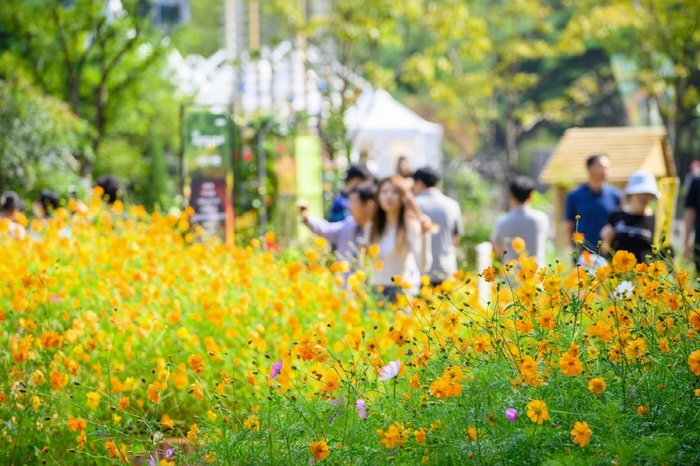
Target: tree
{"x": 38, "y": 137}
{"x": 84, "y": 53}
{"x": 661, "y": 37}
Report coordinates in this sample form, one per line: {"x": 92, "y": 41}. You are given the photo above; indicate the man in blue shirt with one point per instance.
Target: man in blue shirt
{"x": 592, "y": 201}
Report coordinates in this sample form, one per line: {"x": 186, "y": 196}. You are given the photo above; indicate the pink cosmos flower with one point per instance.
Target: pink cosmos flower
{"x": 512, "y": 414}
{"x": 390, "y": 371}
{"x": 276, "y": 369}
{"x": 361, "y": 408}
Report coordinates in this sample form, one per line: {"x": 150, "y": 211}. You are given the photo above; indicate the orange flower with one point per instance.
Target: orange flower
{"x": 395, "y": 436}
{"x": 596, "y": 385}
{"x": 76, "y": 424}
{"x": 196, "y": 364}
{"x": 319, "y": 450}
{"x": 581, "y": 433}
{"x": 420, "y": 436}
{"x": 623, "y": 261}
{"x": 546, "y": 320}
{"x": 154, "y": 391}
{"x": 577, "y": 237}
{"x": 570, "y": 365}
{"x": 489, "y": 274}
{"x": 123, "y": 403}
{"x": 82, "y": 438}
{"x": 414, "y": 382}
{"x": 694, "y": 362}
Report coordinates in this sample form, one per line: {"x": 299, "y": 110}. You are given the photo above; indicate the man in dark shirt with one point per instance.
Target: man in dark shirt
{"x": 592, "y": 201}
{"x": 692, "y": 223}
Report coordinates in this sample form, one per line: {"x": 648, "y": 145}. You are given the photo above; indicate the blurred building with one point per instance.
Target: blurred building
{"x": 170, "y": 12}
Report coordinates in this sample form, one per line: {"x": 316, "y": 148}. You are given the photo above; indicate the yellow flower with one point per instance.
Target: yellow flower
{"x": 537, "y": 411}
{"x": 373, "y": 250}
{"x": 472, "y": 434}
{"x": 581, "y": 433}
{"x": 197, "y": 391}
{"x": 414, "y": 382}
{"x": 93, "y": 400}
{"x": 167, "y": 422}
{"x": 596, "y": 385}
{"x": 635, "y": 349}
{"x": 192, "y": 433}
{"x": 319, "y": 450}
{"x": 518, "y": 245}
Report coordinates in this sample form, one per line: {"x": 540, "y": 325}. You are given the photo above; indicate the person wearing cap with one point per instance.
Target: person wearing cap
{"x": 10, "y": 207}
{"x": 632, "y": 228}
{"x": 592, "y": 202}
{"x": 447, "y": 215}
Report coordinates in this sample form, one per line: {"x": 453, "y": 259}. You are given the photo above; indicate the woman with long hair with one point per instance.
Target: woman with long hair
{"x": 402, "y": 233}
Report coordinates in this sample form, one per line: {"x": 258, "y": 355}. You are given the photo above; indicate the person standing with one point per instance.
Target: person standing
{"x": 592, "y": 202}
{"x": 632, "y": 228}
{"x": 10, "y": 207}
{"x": 403, "y": 237}
{"x": 347, "y": 233}
{"x": 340, "y": 209}
{"x": 447, "y": 215}
{"x": 691, "y": 251}
{"x": 522, "y": 221}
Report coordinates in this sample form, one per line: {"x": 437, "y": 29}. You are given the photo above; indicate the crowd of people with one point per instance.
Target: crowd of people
{"x": 414, "y": 225}
{"x": 46, "y": 204}
{"x": 416, "y": 229}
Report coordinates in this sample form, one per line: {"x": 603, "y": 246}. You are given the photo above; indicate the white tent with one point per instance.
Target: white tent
{"x": 286, "y": 80}
{"x": 385, "y": 129}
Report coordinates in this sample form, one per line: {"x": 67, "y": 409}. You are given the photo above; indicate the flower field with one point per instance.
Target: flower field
{"x": 127, "y": 341}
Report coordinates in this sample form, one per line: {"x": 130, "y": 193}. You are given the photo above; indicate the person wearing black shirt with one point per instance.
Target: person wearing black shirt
{"x": 631, "y": 228}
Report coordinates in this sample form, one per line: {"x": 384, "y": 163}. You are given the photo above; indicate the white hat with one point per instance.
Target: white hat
{"x": 642, "y": 182}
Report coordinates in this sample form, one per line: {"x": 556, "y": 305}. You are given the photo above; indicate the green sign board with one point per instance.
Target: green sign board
{"x": 207, "y": 165}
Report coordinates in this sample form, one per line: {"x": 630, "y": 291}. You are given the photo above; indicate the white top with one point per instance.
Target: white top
{"x": 408, "y": 261}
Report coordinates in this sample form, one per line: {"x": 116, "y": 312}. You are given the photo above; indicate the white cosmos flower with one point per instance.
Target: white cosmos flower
{"x": 624, "y": 290}
{"x": 390, "y": 371}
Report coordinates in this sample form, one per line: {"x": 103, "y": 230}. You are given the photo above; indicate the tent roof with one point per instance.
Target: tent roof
{"x": 378, "y": 111}
{"x": 629, "y": 149}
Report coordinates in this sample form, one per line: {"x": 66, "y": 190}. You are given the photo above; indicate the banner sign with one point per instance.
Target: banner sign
{"x": 665, "y": 211}
{"x": 207, "y": 165}
{"x": 309, "y": 176}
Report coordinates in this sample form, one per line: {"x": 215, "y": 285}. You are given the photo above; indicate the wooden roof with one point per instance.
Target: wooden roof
{"x": 629, "y": 148}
